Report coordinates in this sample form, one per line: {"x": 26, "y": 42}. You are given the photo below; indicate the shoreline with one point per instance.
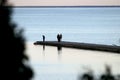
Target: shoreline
{"x": 77, "y": 45}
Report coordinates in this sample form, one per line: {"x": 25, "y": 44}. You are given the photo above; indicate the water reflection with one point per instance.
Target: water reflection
{"x": 59, "y": 49}
{"x": 43, "y": 51}
{"x": 43, "y": 47}
{"x": 59, "y": 63}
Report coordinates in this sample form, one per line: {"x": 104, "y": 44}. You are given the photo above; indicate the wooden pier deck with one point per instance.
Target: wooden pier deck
{"x": 88, "y": 46}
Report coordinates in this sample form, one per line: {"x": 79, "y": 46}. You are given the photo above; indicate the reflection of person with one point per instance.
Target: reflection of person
{"x": 43, "y": 38}
{"x": 43, "y": 47}
{"x": 59, "y": 48}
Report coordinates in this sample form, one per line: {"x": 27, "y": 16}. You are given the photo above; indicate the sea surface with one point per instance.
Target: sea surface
{"x": 99, "y": 25}
{"x": 49, "y": 63}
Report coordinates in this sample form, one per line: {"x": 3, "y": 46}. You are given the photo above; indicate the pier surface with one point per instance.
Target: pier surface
{"x": 88, "y": 46}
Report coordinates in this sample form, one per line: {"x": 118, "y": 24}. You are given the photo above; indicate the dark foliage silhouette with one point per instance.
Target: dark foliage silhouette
{"x": 105, "y": 76}
{"x": 87, "y": 76}
{"x": 108, "y": 75}
{"x": 13, "y": 56}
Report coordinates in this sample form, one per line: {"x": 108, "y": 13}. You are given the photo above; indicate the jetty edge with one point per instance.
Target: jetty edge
{"x": 78, "y": 45}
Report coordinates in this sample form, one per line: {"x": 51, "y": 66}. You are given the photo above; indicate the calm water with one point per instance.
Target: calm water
{"x": 67, "y": 64}
{"x": 91, "y": 25}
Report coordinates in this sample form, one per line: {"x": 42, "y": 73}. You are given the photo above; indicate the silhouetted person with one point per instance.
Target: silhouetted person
{"x": 59, "y": 37}
{"x": 107, "y": 75}
{"x": 43, "y": 41}
{"x": 43, "y": 38}
{"x": 13, "y": 59}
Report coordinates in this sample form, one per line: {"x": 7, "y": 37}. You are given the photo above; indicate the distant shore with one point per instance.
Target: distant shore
{"x": 88, "y": 46}
{"x": 103, "y": 6}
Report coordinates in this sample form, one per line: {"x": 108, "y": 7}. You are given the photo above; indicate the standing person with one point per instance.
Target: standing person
{"x": 43, "y": 42}
{"x": 60, "y": 37}
{"x": 43, "y": 38}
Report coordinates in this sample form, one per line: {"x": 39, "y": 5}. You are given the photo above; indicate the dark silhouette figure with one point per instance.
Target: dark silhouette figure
{"x": 13, "y": 58}
{"x": 43, "y": 38}
{"x": 43, "y": 41}
{"x": 59, "y": 37}
{"x": 108, "y": 75}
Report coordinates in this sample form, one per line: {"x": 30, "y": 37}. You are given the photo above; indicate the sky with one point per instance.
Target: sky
{"x": 65, "y": 2}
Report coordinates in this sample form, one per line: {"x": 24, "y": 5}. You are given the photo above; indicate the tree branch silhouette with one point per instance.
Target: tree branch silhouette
{"x": 12, "y": 47}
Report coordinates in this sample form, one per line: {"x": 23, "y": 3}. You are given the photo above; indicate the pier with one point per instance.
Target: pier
{"x": 77, "y": 45}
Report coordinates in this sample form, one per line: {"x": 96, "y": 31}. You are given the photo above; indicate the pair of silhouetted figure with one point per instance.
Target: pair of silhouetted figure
{"x": 59, "y": 37}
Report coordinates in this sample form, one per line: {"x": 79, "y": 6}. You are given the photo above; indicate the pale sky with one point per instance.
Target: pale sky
{"x": 65, "y": 2}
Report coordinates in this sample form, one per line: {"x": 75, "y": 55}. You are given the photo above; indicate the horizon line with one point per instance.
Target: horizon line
{"x": 65, "y": 6}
